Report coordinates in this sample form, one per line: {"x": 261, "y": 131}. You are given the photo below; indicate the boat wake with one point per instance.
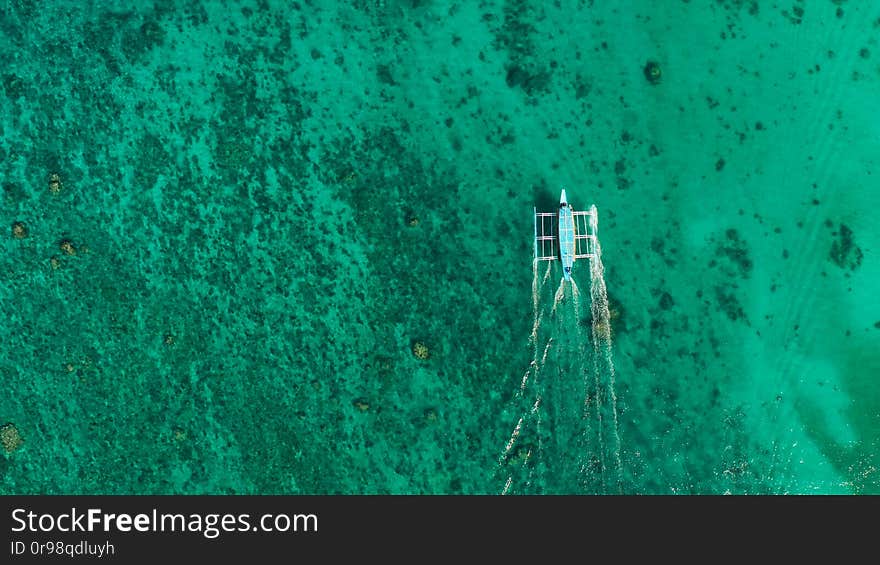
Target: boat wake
{"x": 565, "y": 438}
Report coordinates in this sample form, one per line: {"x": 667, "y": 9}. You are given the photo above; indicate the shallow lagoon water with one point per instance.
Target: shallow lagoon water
{"x": 269, "y": 204}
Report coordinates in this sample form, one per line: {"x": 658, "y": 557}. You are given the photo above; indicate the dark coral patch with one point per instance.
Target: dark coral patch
{"x": 735, "y": 250}
{"x": 844, "y": 251}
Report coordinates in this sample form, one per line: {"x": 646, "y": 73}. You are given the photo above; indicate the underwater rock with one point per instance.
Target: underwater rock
{"x": 615, "y": 319}
{"x": 55, "y": 183}
{"x": 420, "y": 350}
{"x": 652, "y": 72}
{"x": 361, "y": 404}
{"x": 19, "y": 230}
{"x": 10, "y": 438}
{"x": 67, "y": 246}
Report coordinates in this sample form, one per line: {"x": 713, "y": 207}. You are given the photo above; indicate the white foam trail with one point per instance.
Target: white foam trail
{"x": 511, "y": 441}
{"x": 525, "y": 376}
{"x": 546, "y": 350}
{"x": 546, "y": 274}
{"x": 507, "y": 485}
{"x": 583, "y": 459}
{"x": 576, "y": 301}
{"x": 537, "y": 316}
{"x": 597, "y": 382}
{"x": 576, "y": 294}
{"x": 560, "y": 294}
{"x": 602, "y": 340}
{"x": 532, "y": 371}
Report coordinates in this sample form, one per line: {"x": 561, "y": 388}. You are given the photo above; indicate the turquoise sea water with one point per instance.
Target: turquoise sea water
{"x": 261, "y": 207}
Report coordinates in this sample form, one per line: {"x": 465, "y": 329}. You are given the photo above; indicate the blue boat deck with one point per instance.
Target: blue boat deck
{"x": 566, "y": 235}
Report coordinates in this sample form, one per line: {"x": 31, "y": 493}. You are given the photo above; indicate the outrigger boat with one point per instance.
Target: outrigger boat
{"x": 566, "y": 235}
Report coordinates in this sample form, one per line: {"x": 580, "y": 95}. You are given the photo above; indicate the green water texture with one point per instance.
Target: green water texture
{"x": 268, "y": 204}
